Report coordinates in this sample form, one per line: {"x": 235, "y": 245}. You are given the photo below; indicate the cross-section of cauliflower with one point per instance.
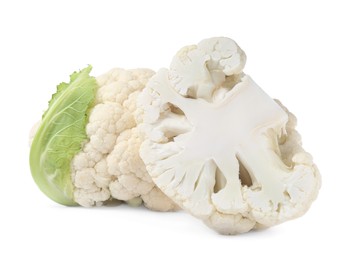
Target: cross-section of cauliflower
{"x": 219, "y": 146}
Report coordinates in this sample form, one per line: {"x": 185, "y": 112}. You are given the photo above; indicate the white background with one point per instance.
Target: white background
{"x": 298, "y": 51}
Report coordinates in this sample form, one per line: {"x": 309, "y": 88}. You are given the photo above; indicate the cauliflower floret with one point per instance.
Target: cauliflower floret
{"x": 129, "y": 171}
{"x": 109, "y": 165}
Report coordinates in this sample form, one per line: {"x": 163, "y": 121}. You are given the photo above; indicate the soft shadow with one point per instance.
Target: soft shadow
{"x": 259, "y": 233}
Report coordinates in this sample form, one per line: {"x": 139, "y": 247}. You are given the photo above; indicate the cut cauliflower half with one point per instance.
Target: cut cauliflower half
{"x": 219, "y": 146}
{"x": 85, "y": 149}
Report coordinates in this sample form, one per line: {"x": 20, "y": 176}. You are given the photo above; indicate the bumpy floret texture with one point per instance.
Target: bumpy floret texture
{"x": 109, "y": 166}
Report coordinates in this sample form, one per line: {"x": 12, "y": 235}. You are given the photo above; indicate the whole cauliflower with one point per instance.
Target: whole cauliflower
{"x": 219, "y": 146}
{"x": 201, "y": 135}
{"x": 85, "y": 150}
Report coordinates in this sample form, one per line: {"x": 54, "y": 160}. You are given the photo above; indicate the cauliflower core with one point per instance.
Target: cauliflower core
{"x": 109, "y": 165}
{"x": 219, "y": 146}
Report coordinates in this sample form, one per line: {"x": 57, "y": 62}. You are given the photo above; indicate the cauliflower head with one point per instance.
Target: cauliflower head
{"x": 219, "y": 146}
{"x": 85, "y": 150}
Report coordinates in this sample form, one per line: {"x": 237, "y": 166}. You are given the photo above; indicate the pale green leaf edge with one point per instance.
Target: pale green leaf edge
{"x": 61, "y": 135}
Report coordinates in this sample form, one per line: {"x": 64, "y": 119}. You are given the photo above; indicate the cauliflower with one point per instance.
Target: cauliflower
{"x": 201, "y": 135}
{"x": 85, "y": 150}
{"x": 219, "y": 146}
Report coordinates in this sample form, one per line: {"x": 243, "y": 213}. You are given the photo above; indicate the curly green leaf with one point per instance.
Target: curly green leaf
{"x": 61, "y": 135}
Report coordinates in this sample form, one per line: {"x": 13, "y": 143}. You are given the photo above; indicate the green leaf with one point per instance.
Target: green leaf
{"x": 61, "y": 135}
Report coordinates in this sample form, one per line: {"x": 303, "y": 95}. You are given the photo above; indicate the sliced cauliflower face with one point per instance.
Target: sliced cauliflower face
{"x": 109, "y": 165}
{"x": 219, "y": 146}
